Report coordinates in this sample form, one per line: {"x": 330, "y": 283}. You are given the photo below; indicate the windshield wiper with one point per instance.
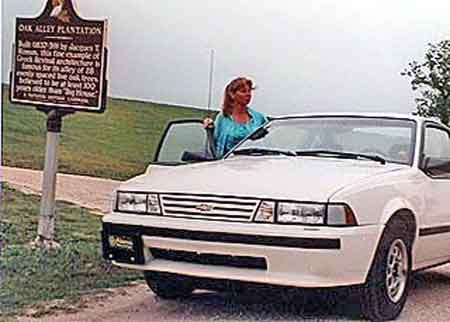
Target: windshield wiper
{"x": 264, "y": 151}
{"x": 339, "y": 154}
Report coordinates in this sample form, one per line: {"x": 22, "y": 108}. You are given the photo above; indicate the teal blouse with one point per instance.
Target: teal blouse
{"x": 227, "y": 132}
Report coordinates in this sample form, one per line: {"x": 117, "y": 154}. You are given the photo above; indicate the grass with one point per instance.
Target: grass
{"x": 32, "y": 275}
{"x": 117, "y": 144}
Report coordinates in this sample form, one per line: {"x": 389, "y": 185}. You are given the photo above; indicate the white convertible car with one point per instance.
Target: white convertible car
{"x": 311, "y": 201}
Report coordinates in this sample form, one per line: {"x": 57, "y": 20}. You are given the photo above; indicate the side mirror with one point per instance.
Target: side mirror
{"x": 188, "y": 156}
{"x": 436, "y": 167}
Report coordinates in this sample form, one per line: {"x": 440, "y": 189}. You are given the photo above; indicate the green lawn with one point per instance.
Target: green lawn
{"x": 32, "y": 275}
{"x": 117, "y": 144}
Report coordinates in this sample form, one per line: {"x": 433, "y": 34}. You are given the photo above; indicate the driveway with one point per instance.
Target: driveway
{"x": 89, "y": 192}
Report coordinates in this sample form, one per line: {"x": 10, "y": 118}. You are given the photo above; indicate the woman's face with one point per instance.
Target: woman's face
{"x": 243, "y": 95}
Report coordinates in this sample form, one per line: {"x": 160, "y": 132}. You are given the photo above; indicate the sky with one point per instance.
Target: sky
{"x": 304, "y": 56}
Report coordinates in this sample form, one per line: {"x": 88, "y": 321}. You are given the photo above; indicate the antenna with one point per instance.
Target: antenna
{"x": 211, "y": 70}
{"x": 209, "y": 143}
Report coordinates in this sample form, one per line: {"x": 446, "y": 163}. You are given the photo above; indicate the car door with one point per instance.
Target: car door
{"x": 435, "y": 163}
{"x": 185, "y": 141}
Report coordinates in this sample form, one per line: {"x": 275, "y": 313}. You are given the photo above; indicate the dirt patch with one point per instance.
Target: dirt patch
{"x": 92, "y": 307}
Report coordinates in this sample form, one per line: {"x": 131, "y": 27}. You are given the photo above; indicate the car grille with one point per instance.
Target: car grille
{"x": 209, "y": 259}
{"x": 208, "y": 207}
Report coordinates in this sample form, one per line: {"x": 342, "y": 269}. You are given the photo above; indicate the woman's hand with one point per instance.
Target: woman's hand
{"x": 208, "y": 123}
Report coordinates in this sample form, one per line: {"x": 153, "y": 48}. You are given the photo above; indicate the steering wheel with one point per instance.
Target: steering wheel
{"x": 372, "y": 151}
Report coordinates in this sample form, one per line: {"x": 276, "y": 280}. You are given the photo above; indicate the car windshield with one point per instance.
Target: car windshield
{"x": 367, "y": 138}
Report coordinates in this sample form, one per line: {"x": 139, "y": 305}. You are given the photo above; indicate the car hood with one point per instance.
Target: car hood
{"x": 279, "y": 177}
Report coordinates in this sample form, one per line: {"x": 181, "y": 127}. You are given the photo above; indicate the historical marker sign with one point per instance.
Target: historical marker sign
{"x": 58, "y": 66}
{"x": 60, "y": 60}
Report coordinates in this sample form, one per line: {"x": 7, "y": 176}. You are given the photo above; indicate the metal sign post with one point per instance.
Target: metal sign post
{"x": 59, "y": 64}
{"x": 46, "y": 225}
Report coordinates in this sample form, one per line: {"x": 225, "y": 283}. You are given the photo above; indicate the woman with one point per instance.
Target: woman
{"x": 236, "y": 120}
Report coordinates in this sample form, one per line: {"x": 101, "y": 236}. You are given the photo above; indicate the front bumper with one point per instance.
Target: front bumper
{"x": 263, "y": 253}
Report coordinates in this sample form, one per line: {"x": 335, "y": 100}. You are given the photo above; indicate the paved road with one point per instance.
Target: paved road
{"x": 429, "y": 298}
{"x": 89, "y": 192}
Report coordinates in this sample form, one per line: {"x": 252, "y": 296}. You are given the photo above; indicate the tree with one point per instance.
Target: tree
{"x": 432, "y": 79}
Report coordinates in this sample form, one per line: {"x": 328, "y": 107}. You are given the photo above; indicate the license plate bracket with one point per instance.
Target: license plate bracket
{"x": 122, "y": 247}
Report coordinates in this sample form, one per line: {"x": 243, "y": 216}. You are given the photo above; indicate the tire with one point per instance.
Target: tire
{"x": 169, "y": 286}
{"x": 384, "y": 294}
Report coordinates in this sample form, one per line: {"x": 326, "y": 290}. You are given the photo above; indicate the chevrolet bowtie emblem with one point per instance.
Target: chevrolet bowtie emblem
{"x": 204, "y": 207}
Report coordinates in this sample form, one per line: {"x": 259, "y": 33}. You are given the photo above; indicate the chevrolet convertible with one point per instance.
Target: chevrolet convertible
{"x": 309, "y": 201}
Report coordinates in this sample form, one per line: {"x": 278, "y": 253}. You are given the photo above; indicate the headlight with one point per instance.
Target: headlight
{"x": 301, "y": 213}
{"x": 138, "y": 202}
{"x": 305, "y": 213}
{"x": 132, "y": 202}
